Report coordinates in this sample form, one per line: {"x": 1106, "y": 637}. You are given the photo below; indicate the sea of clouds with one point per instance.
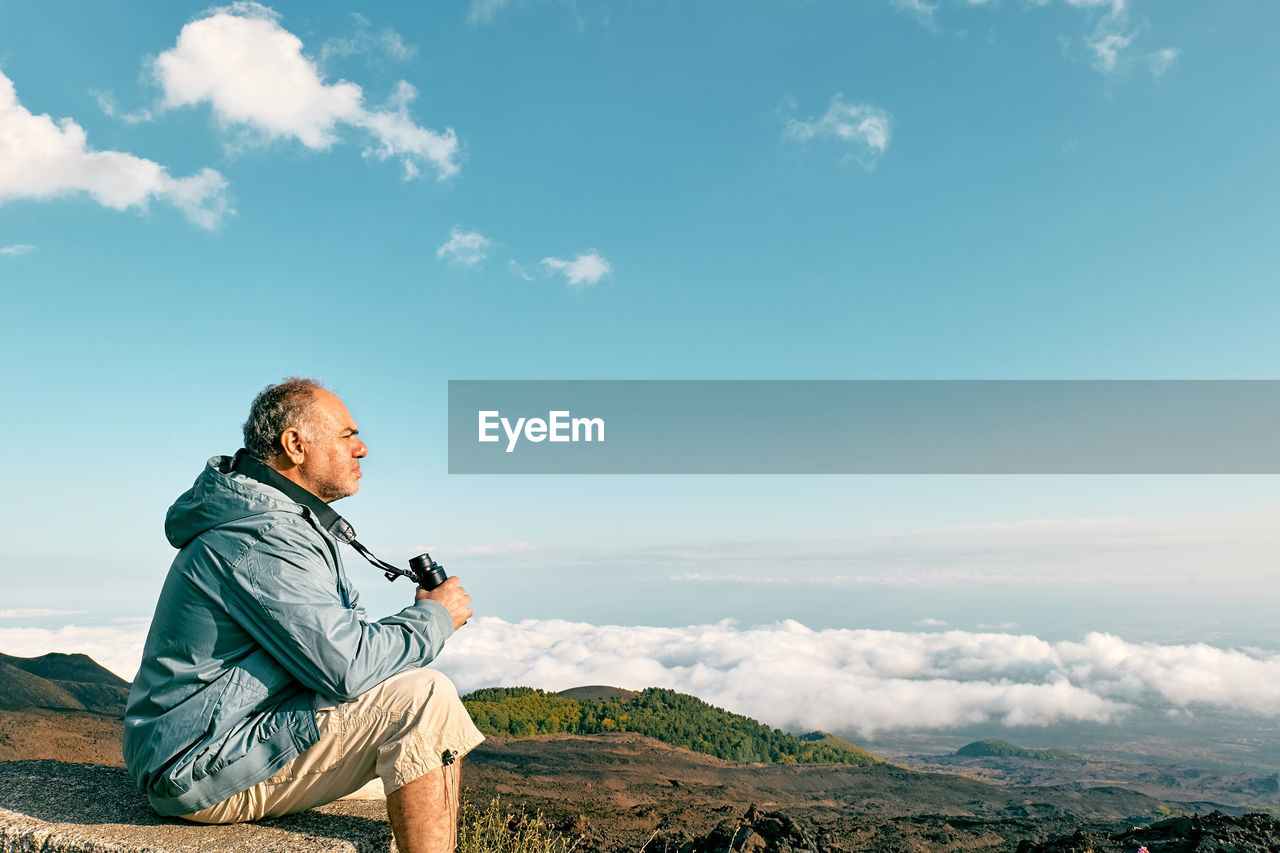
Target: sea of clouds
{"x": 795, "y": 678}
{"x": 871, "y": 681}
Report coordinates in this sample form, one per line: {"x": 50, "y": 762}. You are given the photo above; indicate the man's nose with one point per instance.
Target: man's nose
{"x": 361, "y": 450}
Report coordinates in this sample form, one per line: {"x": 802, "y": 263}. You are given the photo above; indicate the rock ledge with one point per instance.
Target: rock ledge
{"x": 54, "y": 807}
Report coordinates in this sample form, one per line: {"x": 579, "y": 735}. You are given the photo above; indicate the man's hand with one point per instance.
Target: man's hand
{"x": 453, "y": 597}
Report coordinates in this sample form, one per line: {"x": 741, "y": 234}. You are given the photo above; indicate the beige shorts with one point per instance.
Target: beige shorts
{"x": 398, "y": 731}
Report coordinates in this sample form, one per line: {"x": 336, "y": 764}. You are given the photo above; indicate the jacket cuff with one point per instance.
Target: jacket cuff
{"x": 440, "y": 617}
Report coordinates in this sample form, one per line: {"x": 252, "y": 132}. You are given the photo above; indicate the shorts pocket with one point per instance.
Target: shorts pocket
{"x": 325, "y": 754}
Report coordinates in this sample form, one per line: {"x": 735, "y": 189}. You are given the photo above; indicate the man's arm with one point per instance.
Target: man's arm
{"x": 283, "y": 593}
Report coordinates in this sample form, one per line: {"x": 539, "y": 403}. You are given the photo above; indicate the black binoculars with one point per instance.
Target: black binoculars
{"x": 427, "y": 572}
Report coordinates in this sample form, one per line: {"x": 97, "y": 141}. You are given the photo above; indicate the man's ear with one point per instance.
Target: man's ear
{"x": 292, "y": 447}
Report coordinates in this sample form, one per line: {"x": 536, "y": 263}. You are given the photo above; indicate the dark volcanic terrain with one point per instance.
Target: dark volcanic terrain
{"x": 63, "y": 707}
{"x": 624, "y": 792}
{"x": 625, "y": 789}
{"x": 1203, "y": 787}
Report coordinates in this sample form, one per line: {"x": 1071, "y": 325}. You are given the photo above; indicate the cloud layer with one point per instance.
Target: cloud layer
{"x": 1070, "y": 554}
{"x": 118, "y": 646}
{"x": 36, "y": 613}
{"x": 867, "y": 681}
{"x": 253, "y": 73}
{"x": 41, "y": 159}
{"x": 786, "y": 675}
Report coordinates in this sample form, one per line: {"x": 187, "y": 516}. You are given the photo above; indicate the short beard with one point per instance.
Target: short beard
{"x": 329, "y": 491}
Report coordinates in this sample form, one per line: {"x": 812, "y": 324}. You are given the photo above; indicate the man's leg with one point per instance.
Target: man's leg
{"x": 402, "y": 730}
{"x": 424, "y": 813}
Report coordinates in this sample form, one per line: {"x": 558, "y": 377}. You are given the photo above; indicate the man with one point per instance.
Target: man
{"x": 263, "y": 690}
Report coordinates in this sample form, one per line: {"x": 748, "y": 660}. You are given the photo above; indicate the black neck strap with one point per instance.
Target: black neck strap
{"x": 337, "y": 526}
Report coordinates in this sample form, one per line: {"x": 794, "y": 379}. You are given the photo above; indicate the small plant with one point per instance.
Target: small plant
{"x": 497, "y": 829}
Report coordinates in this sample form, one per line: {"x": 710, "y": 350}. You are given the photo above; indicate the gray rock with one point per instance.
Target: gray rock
{"x": 53, "y": 807}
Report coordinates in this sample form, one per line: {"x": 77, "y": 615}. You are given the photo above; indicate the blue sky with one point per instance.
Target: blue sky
{"x": 195, "y": 202}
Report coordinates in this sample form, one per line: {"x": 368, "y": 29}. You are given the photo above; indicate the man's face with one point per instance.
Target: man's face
{"x": 331, "y": 469}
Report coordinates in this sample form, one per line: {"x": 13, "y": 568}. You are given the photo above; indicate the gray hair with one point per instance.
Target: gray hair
{"x": 277, "y": 408}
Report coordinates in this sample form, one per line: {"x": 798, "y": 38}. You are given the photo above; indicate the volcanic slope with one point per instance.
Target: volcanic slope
{"x": 60, "y": 707}
{"x": 64, "y": 682}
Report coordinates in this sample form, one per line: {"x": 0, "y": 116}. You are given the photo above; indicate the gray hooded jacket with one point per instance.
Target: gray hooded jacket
{"x": 256, "y": 621}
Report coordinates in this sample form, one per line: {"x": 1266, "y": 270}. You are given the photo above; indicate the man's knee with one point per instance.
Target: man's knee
{"x": 417, "y": 687}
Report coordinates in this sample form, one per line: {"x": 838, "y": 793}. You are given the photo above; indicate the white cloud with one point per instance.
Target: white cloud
{"x": 922, "y": 11}
{"x": 516, "y": 269}
{"x": 386, "y": 42}
{"x": 863, "y": 128}
{"x": 789, "y": 676}
{"x": 930, "y": 622}
{"x": 118, "y": 647}
{"x": 482, "y": 11}
{"x": 41, "y": 159}
{"x": 1115, "y": 8}
{"x": 1111, "y": 29}
{"x": 464, "y": 247}
{"x": 253, "y": 73}
{"x": 583, "y": 270}
{"x": 1107, "y": 50}
{"x": 17, "y": 249}
{"x": 1115, "y": 33}
{"x": 1159, "y": 61}
{"x": 107, "y": 103}
{"x": 35, "y": 613}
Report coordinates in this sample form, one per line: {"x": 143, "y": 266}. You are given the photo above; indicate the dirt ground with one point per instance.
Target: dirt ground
{"x": 626, "y": 793}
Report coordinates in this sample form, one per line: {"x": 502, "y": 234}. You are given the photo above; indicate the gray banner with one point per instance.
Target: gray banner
{"x": 864, "y": 427}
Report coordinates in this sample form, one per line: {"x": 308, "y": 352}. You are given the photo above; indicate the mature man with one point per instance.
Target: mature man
{"x": 263, "y": 689}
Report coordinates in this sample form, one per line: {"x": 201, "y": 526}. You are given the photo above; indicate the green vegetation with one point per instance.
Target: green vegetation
{"x": 835, "y": 742}
{"x": 1004, "y": 749}
{"x": 675, "y": 718}
{"x": 497, "y": 830}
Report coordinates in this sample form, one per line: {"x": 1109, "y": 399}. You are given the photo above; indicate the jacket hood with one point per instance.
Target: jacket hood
{"x": 220, "y": 496}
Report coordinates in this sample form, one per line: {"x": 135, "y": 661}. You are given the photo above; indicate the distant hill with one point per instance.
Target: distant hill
{"x": 1003, "y": 749}
{"x": 839, "y": 743}
{"x": 59, "y": 667}
{"x": 598, "y": 693}
{"x": 674, "y": 718}
{"x": 61, "y": 682}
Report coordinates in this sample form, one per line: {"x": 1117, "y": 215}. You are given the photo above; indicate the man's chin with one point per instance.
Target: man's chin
{"x": 339, "y": 494}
